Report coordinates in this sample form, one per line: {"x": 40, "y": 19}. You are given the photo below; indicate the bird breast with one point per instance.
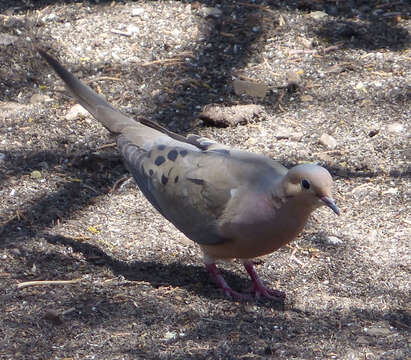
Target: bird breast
{"x": 259, "y": 227}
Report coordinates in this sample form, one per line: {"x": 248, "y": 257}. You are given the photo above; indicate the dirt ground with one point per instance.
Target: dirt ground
{"x": 139, "y": 289}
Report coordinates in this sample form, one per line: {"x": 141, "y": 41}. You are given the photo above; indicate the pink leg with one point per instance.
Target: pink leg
{"x": 258, "y": 287}
{"x": 222, "y": 284}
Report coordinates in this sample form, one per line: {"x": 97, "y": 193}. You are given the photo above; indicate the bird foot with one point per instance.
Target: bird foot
{"x": 260, "y": 290}
{"x": 236, "y": 295}
{"x": 222, "y": 284}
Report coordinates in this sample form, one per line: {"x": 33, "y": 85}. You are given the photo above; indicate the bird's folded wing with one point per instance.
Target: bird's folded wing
{"x": 183, "y": 184}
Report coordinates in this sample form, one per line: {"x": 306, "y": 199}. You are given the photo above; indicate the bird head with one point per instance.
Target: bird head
{"x": 312, "y": 183}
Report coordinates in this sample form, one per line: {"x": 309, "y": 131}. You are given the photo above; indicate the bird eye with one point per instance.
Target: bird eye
{"x": 305, "y": 184}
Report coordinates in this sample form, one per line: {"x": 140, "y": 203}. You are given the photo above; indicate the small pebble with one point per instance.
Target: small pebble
{"x": 76, "y": 112}
{"x": 169, "y": 335}
{"x": 332, "y": 240}
{"x": 282, "y": 133}
{"x": 211, "y": 12}
{"x": 133, "y": 29}
{"x": 328, "y": 141}
{"x": 374, "y": 132}
{"x": 395, "y": 128}
{"x": 49, "y": 17}
{"x": 35, "y": 174}
{"x": 318, "y": 15}
{"x": 138, "y": 11}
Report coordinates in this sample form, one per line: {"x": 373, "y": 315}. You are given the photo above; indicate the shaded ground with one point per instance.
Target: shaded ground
{"x": 143, "y": 292}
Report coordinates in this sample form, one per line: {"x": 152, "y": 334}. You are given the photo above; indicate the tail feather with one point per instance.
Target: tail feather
{"x": 95, "y": 104}
{"x": 111, "y": 118}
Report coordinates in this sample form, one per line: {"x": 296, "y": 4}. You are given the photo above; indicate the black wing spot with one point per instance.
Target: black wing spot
{"x": 159, "y": 160}
{"x": 196, "y": 181}
{"x": 172, "y": 155}
{"x": 151, "y": 172}
{"x": 183, "y": 153}
{"x": 161, "y": 147}
{"x": 164, "y": 179}
{"x": 176, "y": 179}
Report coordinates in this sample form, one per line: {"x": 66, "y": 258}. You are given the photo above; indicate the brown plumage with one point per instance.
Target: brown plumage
{"x": 233, "y": 203}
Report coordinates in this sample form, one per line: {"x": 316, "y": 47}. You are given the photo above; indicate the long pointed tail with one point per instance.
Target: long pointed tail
{"x": 95, "y": 104}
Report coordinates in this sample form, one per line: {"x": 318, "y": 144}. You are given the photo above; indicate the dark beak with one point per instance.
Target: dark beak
{"x": 330, "y": 203}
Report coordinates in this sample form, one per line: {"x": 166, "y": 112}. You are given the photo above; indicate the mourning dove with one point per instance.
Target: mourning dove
{"x": 234, "y": 204}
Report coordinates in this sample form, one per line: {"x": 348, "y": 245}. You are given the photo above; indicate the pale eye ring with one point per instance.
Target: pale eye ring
{"x": 305, "y": 184}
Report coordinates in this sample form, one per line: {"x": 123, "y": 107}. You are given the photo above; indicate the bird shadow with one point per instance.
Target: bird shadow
{"x": 192, "y": 278}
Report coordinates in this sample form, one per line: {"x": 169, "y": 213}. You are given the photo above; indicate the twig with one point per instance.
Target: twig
{"x": 302, "y": 51}
{"x": 121, "y": 182}
{"x": 91, "y": 188}
{"x": 333, "y": 47}
{"x": 106, "y": 146}
{"x": 326, "y": 152}
{"x": 68, "y": 311}
{"x": 215, "y": 321}
{"x": 162, "y": 61}
{"x": 316, "y": 51}
{"x": 100, "y": 78}
{"x": 296, "y": 260}
{"x": 392, "y": 14}
{"x": 118, "y": 32}
{"x": 389, "y": 5}
{"x": 80, "y": 238}
{"x": 46, "y": 282}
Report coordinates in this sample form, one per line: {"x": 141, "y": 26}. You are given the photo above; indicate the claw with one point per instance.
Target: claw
{"x": 222, "y": 284}
{"x": 259, "y": 289}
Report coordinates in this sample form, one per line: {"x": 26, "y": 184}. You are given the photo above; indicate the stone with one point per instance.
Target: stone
{"x": 35, "y": 174}
{"x": 223, "y": 116}
{"x": 133, "y": 29}
{"x": 332, "y": 240}
{"x": 211, "y": 12}
{"x": 328, "y": 141}
{"x": 138, "y": 11}
{"x": 50, "y": 17}
{"x": 318, "y": 15}
{"x": 77, "y": 111}
{"x": 282, "y": 133}
{"x": 395, "y": 128}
